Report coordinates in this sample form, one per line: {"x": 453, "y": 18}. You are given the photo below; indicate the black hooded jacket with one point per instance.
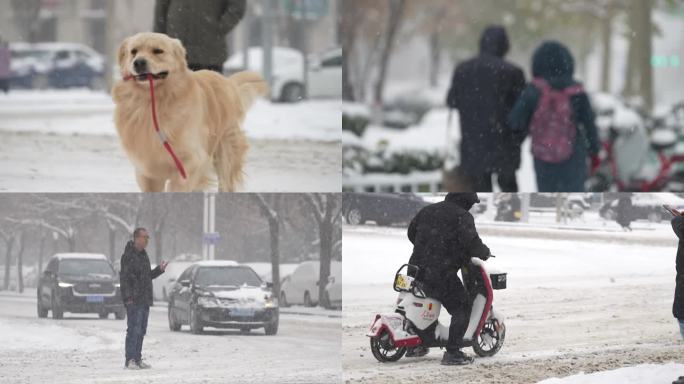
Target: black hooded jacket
{"x": 484, "y": 90}
{"x": 444, "y": 237}
{"x": 678, "y": 305}
{"x": 136, "y": 276}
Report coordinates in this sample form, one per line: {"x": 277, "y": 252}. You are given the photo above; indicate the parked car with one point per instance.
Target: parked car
{"x": 382, "y": 208}
{"x": 333, "y": 290}
{"x": 222, "y": 294}
{"x": 79, "y": 283}
{"x": 301, "y": 287}
{"x": 324, "y": 72}
{"x": 264, "y": 270}
{"x": 162, "y": 285}
{"x": 646, "y": 206}
{"x": 548, "y": 200}
{"x": 56, "y": 65}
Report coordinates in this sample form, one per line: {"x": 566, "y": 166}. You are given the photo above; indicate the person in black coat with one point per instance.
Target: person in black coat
{"x": 678, "y": 304}
{"x": 136, "y": 291}
{"x": 484, "y": 89}
{"x": 444, "y": 239}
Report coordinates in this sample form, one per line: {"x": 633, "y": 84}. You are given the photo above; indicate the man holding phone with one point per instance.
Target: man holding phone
{"x": 136, "y": 291}
{"x": 678, "y": 305}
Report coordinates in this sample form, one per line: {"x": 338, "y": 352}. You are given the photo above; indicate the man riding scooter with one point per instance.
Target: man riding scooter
{"x": 444, "y": 238}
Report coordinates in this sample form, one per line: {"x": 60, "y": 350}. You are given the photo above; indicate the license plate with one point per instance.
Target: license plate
{"x": 242, "y": 312}
{"x": 94, "y": 299}
{"x": 403, "y": 282}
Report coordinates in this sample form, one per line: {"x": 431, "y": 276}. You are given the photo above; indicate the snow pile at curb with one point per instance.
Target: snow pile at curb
{"x": 640, "y": 374}
{"x": 35, "y": 336}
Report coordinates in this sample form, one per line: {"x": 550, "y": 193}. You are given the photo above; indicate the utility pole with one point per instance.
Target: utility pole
{"x": 210, "y": 236}
{"x": 267, "y": 21}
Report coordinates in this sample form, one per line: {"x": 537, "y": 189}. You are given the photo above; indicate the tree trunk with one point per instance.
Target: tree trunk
{"x": 8, "y": 261}
{"x": 644, "y": 38}
{"x": 112, "y": 243}
{"x": 41, "y": 252}
{"x": 396, "y": 10}
{"x": 158, "y": 244}
{"x": 72, "y": 243}
{"x": 20, "y": 263}
{"x": 275, "y": 254}
{"x": 435, "y": 58}
{"x": 607, "y": 48}
{"x": 325, "y": 233}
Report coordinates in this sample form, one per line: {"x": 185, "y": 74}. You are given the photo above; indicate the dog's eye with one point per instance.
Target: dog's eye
{"x": 134, "y": 52}
{"x": 157, "y": 51}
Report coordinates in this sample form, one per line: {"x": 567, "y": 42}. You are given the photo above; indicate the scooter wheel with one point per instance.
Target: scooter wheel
{"x": 490, "y": 340}
{"x": 384, "y": 350}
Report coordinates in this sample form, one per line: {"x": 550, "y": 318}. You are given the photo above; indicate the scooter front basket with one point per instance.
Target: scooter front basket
{"x": 498, "y": 280}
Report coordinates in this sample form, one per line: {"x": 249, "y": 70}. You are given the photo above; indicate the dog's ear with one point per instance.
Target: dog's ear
{"x": 123, "y": 48}
{"x": 179, "y": 52}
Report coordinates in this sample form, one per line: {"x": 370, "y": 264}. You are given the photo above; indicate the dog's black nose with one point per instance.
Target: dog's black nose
{"x": 140, "y": 66}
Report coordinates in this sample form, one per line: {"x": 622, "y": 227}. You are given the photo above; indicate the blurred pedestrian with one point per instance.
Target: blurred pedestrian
{"x": 625, "y": 215}
{"x": 484, "y": 90}
{"x": 556, "y": 112}
{"x": 5, "y": 65}
{"x": 202, "y": 27}
{"x": 136, "y": 291}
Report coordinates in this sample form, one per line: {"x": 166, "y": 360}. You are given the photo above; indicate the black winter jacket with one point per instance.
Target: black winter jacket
{"x": 444, "y": 238}
{"x": 136, "y": 276}
{"x": 678, "y": 305}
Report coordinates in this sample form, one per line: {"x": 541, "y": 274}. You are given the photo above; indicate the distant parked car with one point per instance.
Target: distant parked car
{"x": 222, "y": 294}
{"x": 264, "y": 270}
{"x": 163, "y": 284}
{"x": 646, "y": 206}
{"x": 79, "y": 283}
{"x": 325, "y": 72}
{"x": 56, "y": 65}
{"x": 382, "y": 208}
{"x": 548, "y": 200}
{"x": 301, "y": 287}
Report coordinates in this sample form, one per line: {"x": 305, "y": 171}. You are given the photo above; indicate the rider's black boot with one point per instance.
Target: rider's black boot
{"x": 456, "y": 358}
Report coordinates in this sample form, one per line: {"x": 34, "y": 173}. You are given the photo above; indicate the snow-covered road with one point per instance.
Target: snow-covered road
{"x": 85, "y": 349}
{"x": 587, "y": 304}
{"x": 65, "y": 141}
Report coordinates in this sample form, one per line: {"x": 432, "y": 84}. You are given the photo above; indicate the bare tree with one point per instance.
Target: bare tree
{"x": 394, "y": 17}
{"x": 326, "y": 210}
{"x": 26, "y": 18}
{"x": 269, "y": 211}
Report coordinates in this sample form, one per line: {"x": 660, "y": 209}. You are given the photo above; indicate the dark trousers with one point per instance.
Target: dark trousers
{"x": 198, "y": 67}
{"x": 483, "y": 182}
{"x": 137, "y": 315}
{"x": 454, "y": 299}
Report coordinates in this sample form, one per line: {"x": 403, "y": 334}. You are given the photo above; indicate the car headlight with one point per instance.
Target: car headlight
{"x": 64, "y": 285}
{"x": 270, "y": 302}
{"x": 117, "y": 285}
{"x": 207, "y": 302}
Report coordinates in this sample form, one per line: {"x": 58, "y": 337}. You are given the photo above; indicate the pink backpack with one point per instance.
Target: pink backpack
{"x": 552, "y": 129}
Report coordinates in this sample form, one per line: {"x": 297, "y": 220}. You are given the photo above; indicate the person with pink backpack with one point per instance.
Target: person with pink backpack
{"x": 556, "y": 112}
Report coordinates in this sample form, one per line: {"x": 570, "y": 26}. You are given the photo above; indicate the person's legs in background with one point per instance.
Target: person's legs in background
{"x": 681, "y": 327}
{"x": 507, "y": 181}
{"x": 481, "y": 182}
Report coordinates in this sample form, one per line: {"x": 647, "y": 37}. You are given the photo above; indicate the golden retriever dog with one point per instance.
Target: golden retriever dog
{"x": 199, "y": 113}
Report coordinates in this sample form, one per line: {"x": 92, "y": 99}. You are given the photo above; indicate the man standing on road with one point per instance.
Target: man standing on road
{"x": 136, "y": 291}
{"x": 202, "y": 27}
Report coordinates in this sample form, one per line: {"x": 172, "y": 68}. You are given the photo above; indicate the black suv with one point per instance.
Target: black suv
{"x": 79, "y": 283}
{"x": 222, "y": 294}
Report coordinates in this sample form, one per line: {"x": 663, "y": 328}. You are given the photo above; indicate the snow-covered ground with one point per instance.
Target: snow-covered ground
{"x": 60, "y": 141}
{"x": 640, "y": 374}
{"x": 84, "y": 349}
{"x": 577, "y": 301}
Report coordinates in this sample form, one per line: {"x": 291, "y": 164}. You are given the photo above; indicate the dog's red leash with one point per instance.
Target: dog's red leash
{"x": 162, "y": 137}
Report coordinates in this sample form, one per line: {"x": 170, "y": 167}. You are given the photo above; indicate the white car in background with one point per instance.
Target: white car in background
{"x": 324, "y": 73}
{"x": 265, "y": 272}
{"x": 162, "y": 285}
{"x": 301, "y": 287}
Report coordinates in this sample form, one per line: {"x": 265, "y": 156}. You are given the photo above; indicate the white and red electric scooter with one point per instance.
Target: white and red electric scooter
{"x": 415, "y": 320}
